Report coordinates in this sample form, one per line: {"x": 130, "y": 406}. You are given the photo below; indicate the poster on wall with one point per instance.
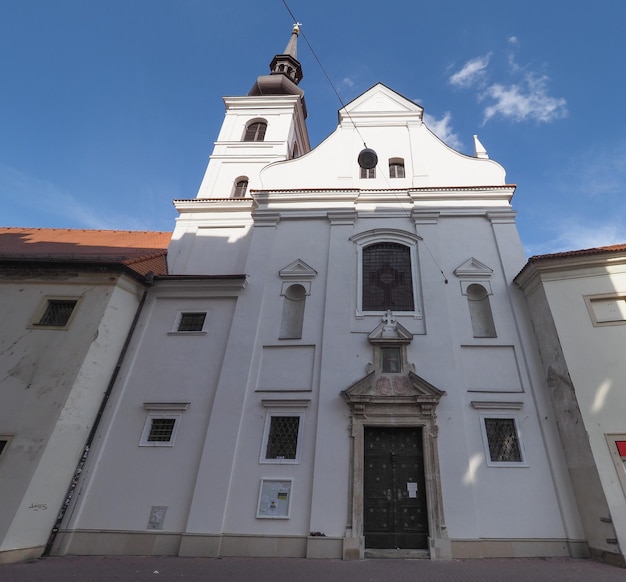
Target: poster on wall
{"x": 274, "y": 499}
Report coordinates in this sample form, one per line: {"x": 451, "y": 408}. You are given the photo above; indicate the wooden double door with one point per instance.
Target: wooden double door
{"x": 394, "y": 495}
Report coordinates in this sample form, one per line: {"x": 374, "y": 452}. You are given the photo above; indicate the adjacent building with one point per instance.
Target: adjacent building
{"x": 68, "y": 299}
{"x": 577, "y": 302}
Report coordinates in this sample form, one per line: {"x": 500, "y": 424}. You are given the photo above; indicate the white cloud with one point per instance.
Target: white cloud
{"x": 472, "y": 72}
{"x": 442, "y": 128}
{"x": 525, "y": 99}
{"x": 528, "y": 100}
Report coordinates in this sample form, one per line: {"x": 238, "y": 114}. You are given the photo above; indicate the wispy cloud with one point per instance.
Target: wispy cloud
{"x": 525, "y": 99}
{"x": 442, "y": 128}
{"x": 42, "y": 198}
{"x": 472, "y": 72}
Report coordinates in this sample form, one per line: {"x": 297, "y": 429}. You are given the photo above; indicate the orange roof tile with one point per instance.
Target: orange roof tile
{"x": 580, "y": 253}
{"x": 138, "y": 250}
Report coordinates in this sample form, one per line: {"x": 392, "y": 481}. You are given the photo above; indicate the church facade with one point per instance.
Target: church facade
{"x": 338, "y": 363}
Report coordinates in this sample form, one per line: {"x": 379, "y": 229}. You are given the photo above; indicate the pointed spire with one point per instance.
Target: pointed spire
{"x": 285, "y": 72}
{"x": 292, "y": 46}
{"x": 287, "y": 63}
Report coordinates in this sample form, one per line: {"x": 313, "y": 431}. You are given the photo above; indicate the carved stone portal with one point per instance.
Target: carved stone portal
{"x": 398, "y": 398}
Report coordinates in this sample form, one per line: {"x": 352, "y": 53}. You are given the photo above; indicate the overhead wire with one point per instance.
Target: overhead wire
{"x": 343, "y": 105}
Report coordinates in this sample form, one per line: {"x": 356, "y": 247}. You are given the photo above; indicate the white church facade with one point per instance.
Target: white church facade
{"x": 338, "y": 363}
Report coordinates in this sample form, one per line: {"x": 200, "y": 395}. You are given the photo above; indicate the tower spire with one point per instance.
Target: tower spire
{"x": 287, "y": 63}
{"x": 285, "y": 71}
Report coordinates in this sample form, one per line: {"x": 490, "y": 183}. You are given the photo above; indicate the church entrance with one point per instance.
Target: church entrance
{"x": 394, "y": 495}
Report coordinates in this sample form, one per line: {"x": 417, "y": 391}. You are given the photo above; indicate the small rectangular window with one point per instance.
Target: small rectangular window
{"x": 192, "y": 321}
{"x": 57, "y": 312}
{"x": 282, "y": 438}
{"x": 503, "y": 440}
{"x": 368, "y": 172}
{"x": 160, "y": 430}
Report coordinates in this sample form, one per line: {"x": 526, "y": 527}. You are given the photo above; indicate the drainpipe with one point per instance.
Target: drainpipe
{"x": 148, "y": 282}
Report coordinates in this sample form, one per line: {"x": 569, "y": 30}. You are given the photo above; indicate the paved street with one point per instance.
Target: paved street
{"x": 169, "y": 569}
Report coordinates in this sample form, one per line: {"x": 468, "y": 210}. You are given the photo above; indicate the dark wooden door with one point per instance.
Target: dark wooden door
{"x": 394, "y": 489}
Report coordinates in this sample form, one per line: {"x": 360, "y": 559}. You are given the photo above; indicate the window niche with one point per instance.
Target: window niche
{"x": 475, "y": 285}
{"x": 296, "y": 287}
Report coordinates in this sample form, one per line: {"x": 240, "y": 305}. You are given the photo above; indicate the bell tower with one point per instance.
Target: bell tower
{"x": 265, "y": 126}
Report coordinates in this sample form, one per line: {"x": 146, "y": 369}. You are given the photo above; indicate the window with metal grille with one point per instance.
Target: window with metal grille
{"x": 192, "y": 321}
{"x": 396, "y": 168}
{"x": 503, "y": 440}
{"x": 282, "y": 441}
{"x": 161, "y": 430}
{"x": 58, "y": 312}
{"x": 368, "y": 172}
{"x": 387, "y": 278}
{"x": 255, "y": 131}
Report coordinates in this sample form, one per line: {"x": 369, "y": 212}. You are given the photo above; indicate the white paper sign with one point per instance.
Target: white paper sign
{"x": 412, "y": 489}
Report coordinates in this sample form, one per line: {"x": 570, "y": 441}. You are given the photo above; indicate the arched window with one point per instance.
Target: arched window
{"x": 293, "y": 312}
{"x": 396, "y": 168}
{"x": 387, "y": 277}
{"x": 241, "y": 186}
{"x": 255, "y": 131}
{"x": 480, "y": 311}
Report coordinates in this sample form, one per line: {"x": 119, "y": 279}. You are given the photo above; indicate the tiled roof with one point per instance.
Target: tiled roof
{"x": 580, "y": 253}
{"x": 140, "y": 251}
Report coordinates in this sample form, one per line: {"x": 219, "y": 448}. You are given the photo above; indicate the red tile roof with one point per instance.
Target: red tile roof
{"x": 580, "y": 253}
{"x": 139, "y": 251}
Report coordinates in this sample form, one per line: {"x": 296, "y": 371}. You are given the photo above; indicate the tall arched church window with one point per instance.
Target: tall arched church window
{"x": 480, "y": 311}
{"x": 255, "y": 131}
{"x": 241, "y": 186}
{"x": 387, "y": 277}
{"x": 387, "y": 273}
{"x": 293, "y": 312}
{"x": 396, "y": 168}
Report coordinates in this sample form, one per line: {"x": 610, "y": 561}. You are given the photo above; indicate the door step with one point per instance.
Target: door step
{"x": 397, "y": 554}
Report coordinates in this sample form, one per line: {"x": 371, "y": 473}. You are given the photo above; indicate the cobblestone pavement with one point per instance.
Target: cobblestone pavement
{"x": 170, "y": 569}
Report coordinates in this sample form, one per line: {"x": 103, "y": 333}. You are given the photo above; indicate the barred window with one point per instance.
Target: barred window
{"x": 58, "y": 312}
{"x": 503, "y": 440}
{"x": 387, "y": 278}
{"x": 255, "y": 131}
{"x": 161, "y": 430}
{"x": 192, "y": 321}
{"x": 282, "y": 438}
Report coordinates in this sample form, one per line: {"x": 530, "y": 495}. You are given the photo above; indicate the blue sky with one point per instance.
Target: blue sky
{"x": 109, "y": 109}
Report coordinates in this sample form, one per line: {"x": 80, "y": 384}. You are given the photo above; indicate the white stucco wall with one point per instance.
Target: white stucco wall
{"x": 53, "y": 384}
